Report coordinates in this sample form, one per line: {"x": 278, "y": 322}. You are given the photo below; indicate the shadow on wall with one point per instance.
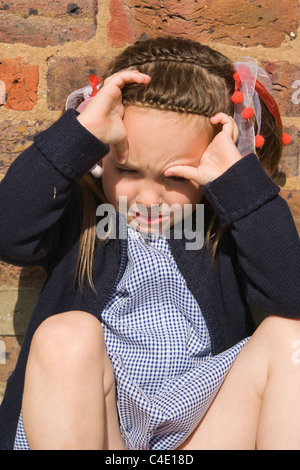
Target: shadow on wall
{"x": 31, "y": 281}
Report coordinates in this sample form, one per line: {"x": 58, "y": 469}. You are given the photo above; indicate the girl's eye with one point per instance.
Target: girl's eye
{"x": 177, "y": 179}
{"x": 128, "y": 171}
{"x": 124, "y": 170}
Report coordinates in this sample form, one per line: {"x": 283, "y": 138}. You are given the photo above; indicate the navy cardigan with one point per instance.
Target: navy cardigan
{"x": 257, "y": 262}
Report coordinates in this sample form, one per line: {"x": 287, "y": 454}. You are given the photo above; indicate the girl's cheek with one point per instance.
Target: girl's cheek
{"x": 109, "y": 190}
{"x": 124, "y": 190}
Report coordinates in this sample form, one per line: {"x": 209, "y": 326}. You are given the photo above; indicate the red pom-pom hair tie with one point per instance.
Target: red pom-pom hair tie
{"x": 94, "y": 82}
{"x": 259, "y": 141}
{"x": 238, "y": 81}
{"x": 238, "y": 96}
{"x": 248, "y": 113}
{"x": 286, "y": 139}
{"x": 79, "y": 99}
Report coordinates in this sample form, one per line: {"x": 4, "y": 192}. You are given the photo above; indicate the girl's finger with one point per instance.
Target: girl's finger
{"x": 183, "y": 171}
{"x": 226, "y": 121}
{"x": 127, "y": 76}
{"x": 235, "y": 132}
{"x": 121, "y": 149}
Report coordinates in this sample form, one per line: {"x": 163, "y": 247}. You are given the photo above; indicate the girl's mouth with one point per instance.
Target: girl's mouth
{"x": 150, "y": 219}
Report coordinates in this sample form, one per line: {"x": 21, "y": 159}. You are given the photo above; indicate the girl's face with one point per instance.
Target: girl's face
{"x": 157, "y": 140}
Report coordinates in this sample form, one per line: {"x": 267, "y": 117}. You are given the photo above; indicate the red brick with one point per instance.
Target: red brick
{"x": 286, "y": 86}
{"x": 121, "y": 28}
{"x": 245, "y": 23}
{"x": 67, "y": 74}
{"x": 21, "y": 81}
{"x": 47, "y": 23}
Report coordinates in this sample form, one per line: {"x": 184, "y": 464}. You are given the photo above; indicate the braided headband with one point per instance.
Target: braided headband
{"x": 251, "y": 83}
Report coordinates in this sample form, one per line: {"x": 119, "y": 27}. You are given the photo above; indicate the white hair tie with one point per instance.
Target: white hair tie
{"x": 252, "y": 83}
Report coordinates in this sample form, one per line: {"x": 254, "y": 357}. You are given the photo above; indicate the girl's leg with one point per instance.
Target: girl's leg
{"x": 69, "y": 395}
{"x": 258, "y": 405}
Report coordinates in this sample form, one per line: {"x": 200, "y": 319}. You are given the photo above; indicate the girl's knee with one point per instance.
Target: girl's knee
{"x": 281, "y": 333}
{"x": 282, "y": 325}
{"x": 69, "y": 338}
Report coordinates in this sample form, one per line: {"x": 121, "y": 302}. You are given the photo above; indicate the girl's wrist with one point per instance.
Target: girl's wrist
{"x": 95, "y": 131}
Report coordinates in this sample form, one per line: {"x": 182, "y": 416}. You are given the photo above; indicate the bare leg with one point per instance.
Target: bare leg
{"x": 258, "y": 405}
{"x": 69, "y": 395}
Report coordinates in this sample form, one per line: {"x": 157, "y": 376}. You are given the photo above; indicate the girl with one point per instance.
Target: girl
{"x": 136, "y": 341}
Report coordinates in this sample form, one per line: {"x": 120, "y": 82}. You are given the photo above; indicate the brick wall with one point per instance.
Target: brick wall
{"x": 48, "y": 49}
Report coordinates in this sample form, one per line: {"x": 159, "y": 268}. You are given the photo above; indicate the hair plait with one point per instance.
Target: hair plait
{"x": 186, "y": 76}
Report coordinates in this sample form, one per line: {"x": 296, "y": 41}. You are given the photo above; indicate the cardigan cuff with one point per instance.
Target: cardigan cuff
{"x": 71, "y": 148}
{"x": 242, "y": 189}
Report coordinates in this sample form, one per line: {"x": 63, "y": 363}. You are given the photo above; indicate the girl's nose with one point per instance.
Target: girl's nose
{"x": 148, "y": 194}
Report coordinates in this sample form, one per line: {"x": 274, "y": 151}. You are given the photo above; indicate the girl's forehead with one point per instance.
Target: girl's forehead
{"x": 164, "y": 118}
{"x": 162, "y": 137}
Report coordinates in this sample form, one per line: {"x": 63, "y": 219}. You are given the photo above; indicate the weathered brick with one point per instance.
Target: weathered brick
{"x": 16, "y": 137}
{"x": 10, "y": 345}
{"x": 67, "y": 74}
{"x": 286, "y": 86}
{"x": 9, "y": 275}
{"x": 21, "y": 82}
{"x": 246, "y": 23}
{"x": 16, "y": 307}
{"x": 15, "y": 276}
{"x": 43, "y": 23}
{"x": 292, "y": 197}
{"x": 122, "y": 27}
{"x": 289, "y": 163}
{"x": 2, "y": 390}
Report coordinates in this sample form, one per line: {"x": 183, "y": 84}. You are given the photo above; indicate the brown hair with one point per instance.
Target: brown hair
{"x": 186, "y": 77}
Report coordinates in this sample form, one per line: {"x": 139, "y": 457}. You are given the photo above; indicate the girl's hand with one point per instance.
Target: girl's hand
{"x": 220, "y": 154}
{"x": 103, "y": 116}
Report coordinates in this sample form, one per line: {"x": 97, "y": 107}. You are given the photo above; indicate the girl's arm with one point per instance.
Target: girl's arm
{"x": 38, "y": 186}
{"x": 266, "y": 244}
{"x": 37, "y": 189}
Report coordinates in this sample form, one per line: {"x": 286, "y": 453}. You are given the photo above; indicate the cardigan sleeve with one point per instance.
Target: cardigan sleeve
{"x": 265, "y": 246}
{"x": 38, "y": 187}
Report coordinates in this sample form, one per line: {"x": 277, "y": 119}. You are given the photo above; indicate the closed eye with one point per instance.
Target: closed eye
{"x": 179, "y": 179}
{"x": 123, "y": 170}
{"x": 175, "y": 179}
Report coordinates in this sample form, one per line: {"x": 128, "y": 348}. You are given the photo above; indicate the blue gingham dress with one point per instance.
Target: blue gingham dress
{"x": 160, "y": 349}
